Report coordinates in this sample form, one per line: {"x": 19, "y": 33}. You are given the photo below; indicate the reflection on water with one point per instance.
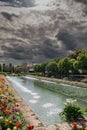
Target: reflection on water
{"x": 45, "y": 103}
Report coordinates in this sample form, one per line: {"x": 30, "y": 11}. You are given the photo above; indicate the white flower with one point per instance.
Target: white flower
{"x": 1, "y": 117}
{"x": 15, "y": 128}
{"x": 8, "y": 129}
{"x": 70, "y": 101}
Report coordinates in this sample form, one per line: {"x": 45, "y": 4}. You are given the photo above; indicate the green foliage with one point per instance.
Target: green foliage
{"x": 74, "y": 54}
{"x": 52, "y": 68}
{"x": 78, "y": 129}
{"x": 85, "y": 111}
{"x": 82, "y": 60}
{"x": 64, "y": 65}
{"x": 40, "y": 67}
{"x": 76, "y": 65}
{"x": 71, "y": 111}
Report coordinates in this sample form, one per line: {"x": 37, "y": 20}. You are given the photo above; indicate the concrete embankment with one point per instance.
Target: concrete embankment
{"x": 76, "y": 83}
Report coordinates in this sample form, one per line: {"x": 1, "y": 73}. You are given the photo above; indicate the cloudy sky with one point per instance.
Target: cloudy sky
{"x": 40, "y": 30}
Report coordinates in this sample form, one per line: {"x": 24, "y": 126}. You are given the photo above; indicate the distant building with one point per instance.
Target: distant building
{"x": 27, "y": 67}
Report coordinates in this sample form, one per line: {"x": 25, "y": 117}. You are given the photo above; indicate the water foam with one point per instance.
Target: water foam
{"x": 54, "y": 111}
{"x": 36, "y": 97}
{"x": 28, "y": 77}
{"x": 19, "y": 85}
{"x": 47, "y": 105}
{"x": 33, "y": 101}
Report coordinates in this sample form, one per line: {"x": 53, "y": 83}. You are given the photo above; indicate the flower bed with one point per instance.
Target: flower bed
{"x": 73, "y": 114}
{"x": 11, "y": 117}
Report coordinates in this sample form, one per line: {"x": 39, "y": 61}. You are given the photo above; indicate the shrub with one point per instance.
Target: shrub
{"x": 71, "y": 111}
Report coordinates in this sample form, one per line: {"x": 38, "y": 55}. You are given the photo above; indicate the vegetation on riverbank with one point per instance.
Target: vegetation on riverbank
{"x": 73, "y": 67}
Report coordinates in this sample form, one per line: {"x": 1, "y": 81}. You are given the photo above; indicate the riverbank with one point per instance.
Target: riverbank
{"x": 74, "y": 83}
{"x": 31, "y": 117}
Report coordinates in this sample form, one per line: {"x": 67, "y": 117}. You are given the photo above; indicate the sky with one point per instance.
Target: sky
{"x": 40, "y": 30}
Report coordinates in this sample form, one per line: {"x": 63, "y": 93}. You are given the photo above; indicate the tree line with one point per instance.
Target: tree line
{"x": 74, "y": 63}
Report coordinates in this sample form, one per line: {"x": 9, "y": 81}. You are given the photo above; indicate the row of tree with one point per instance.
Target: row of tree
{"x": 74, "y": 63}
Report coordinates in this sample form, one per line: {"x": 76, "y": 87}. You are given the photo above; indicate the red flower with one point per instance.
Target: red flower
{"x": 18, "y": 125}
{"x": 75, "y": 125}
{"x": 30, "y": 127}
{"x": 16, "y": 104}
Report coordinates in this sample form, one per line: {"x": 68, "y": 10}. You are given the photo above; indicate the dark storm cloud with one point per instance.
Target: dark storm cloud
{"x": 39, "y": 36}
{"x": 7, "y": 0}
{"x": 68, "y": 39}
{"x": 48, "y": 49}
{"x": 83, "y": 1}
{"x": 9, "y": 16}
{"x": 28, "y": 3}
{"x": 18, "y": 51}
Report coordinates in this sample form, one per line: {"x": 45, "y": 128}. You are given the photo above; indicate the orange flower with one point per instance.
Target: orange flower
{"x": 5, "y": 89}
{"x": 86, "y": 128}
{"x": 7, "y": 112}
{"x": 18, "y": 125}
{"x": 1, "y": 85}
{"x": 1, "y": 91}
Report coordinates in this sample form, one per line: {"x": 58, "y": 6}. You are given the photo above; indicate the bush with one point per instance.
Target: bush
{"x": 71, "y": 111}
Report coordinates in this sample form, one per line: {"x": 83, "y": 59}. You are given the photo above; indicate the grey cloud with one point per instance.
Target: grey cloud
{"x": 83, "y": 1}
{"x": 25, "y": 3}
{"x": 28, "y": 3}
{"x": 9, "y": 16}
{"x": 39, "y": 36}
{"x": 68, "y": 39}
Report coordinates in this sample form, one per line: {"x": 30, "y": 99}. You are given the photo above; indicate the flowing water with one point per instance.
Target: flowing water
{"x": 45, "y": 103}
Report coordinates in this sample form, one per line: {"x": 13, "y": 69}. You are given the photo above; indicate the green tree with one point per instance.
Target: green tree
{"x": 64, "y": 66}
{"x": 56, "y": 60}
{"x": 52, "y": 68}
{"x": 82, "y": 61}
{"x": 37, "y": 68}
{"x": 74, "y": 54}
{"x": 42, "y": 67}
